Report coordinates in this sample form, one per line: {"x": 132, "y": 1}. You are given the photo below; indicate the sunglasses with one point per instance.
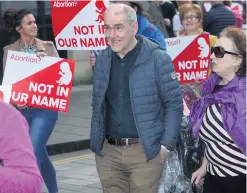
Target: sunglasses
{"x": 219, "y": 52}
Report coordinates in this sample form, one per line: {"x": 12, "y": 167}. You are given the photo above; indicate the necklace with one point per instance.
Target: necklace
{"x": 28, "y": 48}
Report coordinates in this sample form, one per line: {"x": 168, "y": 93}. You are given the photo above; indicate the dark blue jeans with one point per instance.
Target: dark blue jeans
{"x": 41, "y": 123}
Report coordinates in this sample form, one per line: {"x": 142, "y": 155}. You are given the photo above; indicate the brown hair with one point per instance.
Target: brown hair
{"x": 227, "y": 3}
{"x": 238, "y": 37}
{"x": 183, "y": 9}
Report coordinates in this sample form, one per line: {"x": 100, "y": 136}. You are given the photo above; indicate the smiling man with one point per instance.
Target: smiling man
{"x": 137, "y": 107}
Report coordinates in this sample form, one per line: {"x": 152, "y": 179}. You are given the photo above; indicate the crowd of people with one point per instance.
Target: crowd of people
{"x": 139, "y": 107}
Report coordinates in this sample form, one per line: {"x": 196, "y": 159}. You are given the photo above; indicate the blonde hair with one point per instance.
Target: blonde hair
{"x": 183, "y": 9}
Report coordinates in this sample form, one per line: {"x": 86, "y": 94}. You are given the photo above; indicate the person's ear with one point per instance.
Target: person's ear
{"x": 18, "y": 28}
{"x": 135, "y": 27}
{"x": 238, "y": 62}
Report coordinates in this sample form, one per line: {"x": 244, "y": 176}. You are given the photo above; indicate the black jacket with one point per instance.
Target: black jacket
{"x": 217, "y": 19}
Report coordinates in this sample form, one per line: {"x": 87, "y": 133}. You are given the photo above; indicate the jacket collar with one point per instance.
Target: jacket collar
{"x": 147, "y": 48}
{"x": 216, "y": 5}
{"x": 209, "y": 85}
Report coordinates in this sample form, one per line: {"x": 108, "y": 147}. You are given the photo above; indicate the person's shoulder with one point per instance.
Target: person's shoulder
{"x": 8, "y": 47}
{"x": 48, "y": 43}
{"x": 6, "y": 110}
{"x": 162, "y": 55}
{"x": 43, "y": 43}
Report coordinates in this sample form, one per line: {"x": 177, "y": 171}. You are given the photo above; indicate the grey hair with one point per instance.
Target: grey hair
{"x": 130, "y": 14}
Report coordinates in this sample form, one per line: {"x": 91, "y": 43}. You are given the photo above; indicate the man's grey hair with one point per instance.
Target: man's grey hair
{"x": 130, "y": 14}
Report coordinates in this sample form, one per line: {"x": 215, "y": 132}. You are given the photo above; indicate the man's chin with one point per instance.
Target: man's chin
{"x": 114, "y": 49}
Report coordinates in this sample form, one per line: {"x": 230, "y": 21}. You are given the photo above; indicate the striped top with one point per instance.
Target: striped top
{"x": 224, "y": 157}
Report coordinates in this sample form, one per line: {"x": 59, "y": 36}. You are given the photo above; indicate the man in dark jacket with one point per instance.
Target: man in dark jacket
{"x": 218, "y": 18}
{"x": 137, "y": 107}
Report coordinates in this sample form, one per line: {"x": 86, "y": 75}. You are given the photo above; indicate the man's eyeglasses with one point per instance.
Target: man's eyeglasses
{"x": 191, "y": 17}
{"x": 219, "y": 52}
{"x": 117, "y": 28}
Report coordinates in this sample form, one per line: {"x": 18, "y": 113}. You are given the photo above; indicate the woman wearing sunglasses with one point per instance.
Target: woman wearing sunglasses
{"x": 218, "y": 117}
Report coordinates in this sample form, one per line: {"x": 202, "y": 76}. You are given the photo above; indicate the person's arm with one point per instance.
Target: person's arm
{"x": 171, "y": 98}
{"x": 154, "y": 33}
{"x": 159, "y": 37}
{"x": 177, "y": 26}
{"x": 200, "y": 173}
{"x": 54, "y": 51}
{"x": 97, "y": 77}
{"x": 19, "y": 172}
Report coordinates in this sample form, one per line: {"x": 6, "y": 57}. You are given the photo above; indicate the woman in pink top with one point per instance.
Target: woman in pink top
{"x": 19, "y": 172}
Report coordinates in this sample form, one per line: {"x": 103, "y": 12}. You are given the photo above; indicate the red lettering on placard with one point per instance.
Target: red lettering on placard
{"x": 93, "y": 42}
{"x": 173, "y": 42}
{"x": 101, "y": 29}
{"x": 67, "y": 42}
{"x": 84, "y": 30}
{"x": 84, "y": 42}
{"x": 25, "y": 58}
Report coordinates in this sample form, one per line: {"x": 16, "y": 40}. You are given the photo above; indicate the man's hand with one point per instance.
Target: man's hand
{"x": 92, "y": 60}
{"x": 163, "y": 154}
{"x": 167, "y": 22}
{"x": 198, "y": 176}
{"x": 22, "y": 106}
{"x": 41, "y": 54}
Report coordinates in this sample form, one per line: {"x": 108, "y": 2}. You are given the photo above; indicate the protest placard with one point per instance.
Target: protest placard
{"x": 39, "y": 82}
{"x": 237, "y": 8}
{"x": 79, "y": 25}
{"x": 190, "y": 56}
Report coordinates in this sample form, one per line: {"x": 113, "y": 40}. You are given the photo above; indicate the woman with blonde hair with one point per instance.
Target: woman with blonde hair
{"x": 191, "y": 17}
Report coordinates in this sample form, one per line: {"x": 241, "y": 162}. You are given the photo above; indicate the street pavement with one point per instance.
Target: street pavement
{"x": 76, "y": 173}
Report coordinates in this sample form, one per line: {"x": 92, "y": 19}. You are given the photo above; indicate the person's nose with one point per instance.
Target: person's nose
{"x": 34, "y": 25}
{"x": 112, "y": 33}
